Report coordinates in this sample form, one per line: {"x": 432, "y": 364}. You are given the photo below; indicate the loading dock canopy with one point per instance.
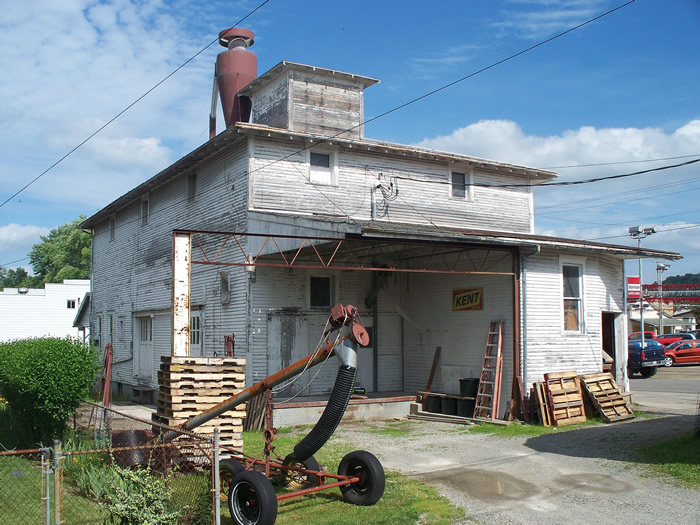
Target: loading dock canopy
{"x": 337, "y": 244}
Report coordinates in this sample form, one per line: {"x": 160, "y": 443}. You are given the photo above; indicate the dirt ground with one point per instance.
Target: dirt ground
{"x": 578, "y": 477}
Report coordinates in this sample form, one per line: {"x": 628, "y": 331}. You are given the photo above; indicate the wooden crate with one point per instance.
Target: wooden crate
{"x": 565, "y": 398}
{"x": 605, "y": 396}
{"x": 540, "y": 402}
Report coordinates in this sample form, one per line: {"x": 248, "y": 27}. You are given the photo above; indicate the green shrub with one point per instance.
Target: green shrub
{"x": 138, "y": 497}
{"x": 44, "y": 380}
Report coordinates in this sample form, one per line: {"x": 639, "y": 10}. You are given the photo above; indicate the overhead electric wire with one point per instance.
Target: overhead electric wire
{"x": 660, "y": 230}
{"x": 381, "y": 115}
{"x": 127, "y": 108}
{"x": 620, "y": 162}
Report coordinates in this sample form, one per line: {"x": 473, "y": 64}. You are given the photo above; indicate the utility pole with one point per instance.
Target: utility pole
{"x": 660, "y": 268}
{"x": 639, "y": 233}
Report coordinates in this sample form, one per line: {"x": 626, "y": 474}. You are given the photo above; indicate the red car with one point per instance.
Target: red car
{"x": 682, "y": 352}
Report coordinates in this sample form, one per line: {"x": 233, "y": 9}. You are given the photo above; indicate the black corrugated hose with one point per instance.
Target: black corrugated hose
{"x": 333, "y": 413}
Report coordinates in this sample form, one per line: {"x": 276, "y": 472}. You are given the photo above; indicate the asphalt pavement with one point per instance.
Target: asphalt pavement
{"x": 674, "y": 390}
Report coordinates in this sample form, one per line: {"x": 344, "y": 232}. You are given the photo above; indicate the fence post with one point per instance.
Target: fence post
{"x": 57, "y": 482}
{"x": 46, "y": 485}
{"x": 217, "y": 485}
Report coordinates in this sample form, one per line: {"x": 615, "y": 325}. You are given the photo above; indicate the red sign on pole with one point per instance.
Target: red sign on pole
{"x": 634, "y": 289}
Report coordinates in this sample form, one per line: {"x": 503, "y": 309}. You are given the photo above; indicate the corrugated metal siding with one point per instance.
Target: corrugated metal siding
{"x": 424, "y": 192}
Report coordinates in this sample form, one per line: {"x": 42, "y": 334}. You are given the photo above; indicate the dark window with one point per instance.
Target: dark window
{"x": 144, "y": 212}
{"x": 322, "y": 160}
{"x": 70, "y": 303}
{"x": 320, "y": 292}
{"x": 191, "y": 187}
{"x": 112, "y": 228}
{"x": 459, "y": 184}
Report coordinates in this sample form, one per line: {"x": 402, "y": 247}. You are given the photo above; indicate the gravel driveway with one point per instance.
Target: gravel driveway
{"x": 577, "y": 477}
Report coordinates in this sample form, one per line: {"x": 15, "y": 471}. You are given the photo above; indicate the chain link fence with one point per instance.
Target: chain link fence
{"x": 112, "y": 469}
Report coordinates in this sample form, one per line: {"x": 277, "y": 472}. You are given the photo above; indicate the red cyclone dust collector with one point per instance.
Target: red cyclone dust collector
{"x": 235, "y": 69}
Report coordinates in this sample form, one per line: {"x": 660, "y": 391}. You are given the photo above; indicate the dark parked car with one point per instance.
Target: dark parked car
{"x": 644, "y": 360}
{"x": 682, "y": 352}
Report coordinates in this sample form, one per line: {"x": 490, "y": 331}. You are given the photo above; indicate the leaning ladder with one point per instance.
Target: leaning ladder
{"x": 489, "y": 393}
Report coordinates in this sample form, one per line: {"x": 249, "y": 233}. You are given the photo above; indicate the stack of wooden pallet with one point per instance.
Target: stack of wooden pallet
{"x": 606, "y": 398}
{"x": 188, "y": 386}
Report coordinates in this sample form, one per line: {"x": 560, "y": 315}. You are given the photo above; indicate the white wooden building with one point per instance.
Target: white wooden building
{"x": 296, "y": 210}
{"x": 39, "y": 312}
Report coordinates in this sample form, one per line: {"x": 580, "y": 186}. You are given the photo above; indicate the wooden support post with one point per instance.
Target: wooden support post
{"x": 182, "y": 247}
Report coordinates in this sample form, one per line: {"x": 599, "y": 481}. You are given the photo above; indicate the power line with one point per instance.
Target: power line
{"x": 620, "y": 162}
{"x": 690, "y": 227}
{"x": 127, "y": 108}
{"x": 413, "y": 101}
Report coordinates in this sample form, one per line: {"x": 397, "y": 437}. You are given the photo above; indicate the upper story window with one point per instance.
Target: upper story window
{"x": 145, "y": 329}
{"x": 191, "y": 187}
{"x": 112, "y": 228}
{"x": 461, "y": 185}
{"x": 573, "y": 314}
{"x": 320, "y": 292}
{"x": 144, "y": 211}
{"x": 70, "y": 303}
{"x": 322, "y": 167}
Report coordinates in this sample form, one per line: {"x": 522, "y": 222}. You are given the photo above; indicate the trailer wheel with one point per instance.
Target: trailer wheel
{"x": 228, "y": 468}
{"x": 252, "y": 499}
{"x": 370, "y": 488}
{"x": 648, "y": 372}
{"x": 297, "y": 480}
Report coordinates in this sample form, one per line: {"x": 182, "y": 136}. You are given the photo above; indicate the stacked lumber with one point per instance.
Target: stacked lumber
{"x": 187, "y": 386}
{"x": 564, "y": 398}
{"x": 606, "y": 398}
{"x": 539, "y": 395}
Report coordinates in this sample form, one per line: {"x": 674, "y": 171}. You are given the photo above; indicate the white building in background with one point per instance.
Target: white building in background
{"x": 36, "y": 312}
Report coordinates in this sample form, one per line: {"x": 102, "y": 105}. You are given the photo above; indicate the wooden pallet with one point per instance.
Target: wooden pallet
{"x": 564, "y": 398}
{"x": 606, "y": 398}
{"x": 188, "y": 386}
{"x": 538, "y": 399}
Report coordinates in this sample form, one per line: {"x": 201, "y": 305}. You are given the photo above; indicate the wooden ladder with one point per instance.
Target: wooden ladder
{"x": 489, "y": 393}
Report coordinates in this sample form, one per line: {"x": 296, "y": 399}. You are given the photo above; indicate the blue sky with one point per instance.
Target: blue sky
{"x": 620, "y": 91}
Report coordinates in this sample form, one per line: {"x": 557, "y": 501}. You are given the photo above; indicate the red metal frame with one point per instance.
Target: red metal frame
{"x": 329, "y": 258}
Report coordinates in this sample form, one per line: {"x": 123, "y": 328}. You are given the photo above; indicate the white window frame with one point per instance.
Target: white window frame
{"x": 580, "y": 264}
{"x": 468, "y": 173}
{"x": 319, "y": 175}
{"x": 333, "y": 291}
{"x": 70, "y": 304}
{"x": 145, "y": 328}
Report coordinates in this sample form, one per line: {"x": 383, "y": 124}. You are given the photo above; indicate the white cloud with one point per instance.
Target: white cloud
{"x": 668, "y": 199}
{"x": 20, "y": 237}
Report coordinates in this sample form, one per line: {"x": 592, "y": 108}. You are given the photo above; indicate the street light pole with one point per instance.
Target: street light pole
{"x": 660, "y": 268}
{"x": 639, "y": 233}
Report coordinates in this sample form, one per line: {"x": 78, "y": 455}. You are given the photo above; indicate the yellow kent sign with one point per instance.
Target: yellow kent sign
{"x": 467, "y": 299}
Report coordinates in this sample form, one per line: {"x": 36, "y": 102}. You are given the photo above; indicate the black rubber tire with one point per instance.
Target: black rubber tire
{"x": 252, "y": 499}
{"x": 630, "y": 372}
{"x": 298, "y": 480}
{"x": 668, "y": 361}
{"x": 228, "y": 469}
{"x": 649, "y": 372}
{"x": 370, "y": 488}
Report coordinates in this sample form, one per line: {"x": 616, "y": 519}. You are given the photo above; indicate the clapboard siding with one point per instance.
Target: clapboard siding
{"x": 133, "y": 273}
{"x": 549, "y": 347}
{"x": 279, "y": 182}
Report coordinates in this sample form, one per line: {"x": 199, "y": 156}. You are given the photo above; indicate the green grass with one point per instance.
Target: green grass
{"x": 677, "y": 458}
{"x": 393, "y": 429}
{"x": 527, "y": 429}
{"x": 404, "y": 500}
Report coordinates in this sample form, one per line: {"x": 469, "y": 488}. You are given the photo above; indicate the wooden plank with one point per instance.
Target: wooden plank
{"x": 431, "y": 376}
{"x": 565, "y": 398}
{"x": 542, "y": 405}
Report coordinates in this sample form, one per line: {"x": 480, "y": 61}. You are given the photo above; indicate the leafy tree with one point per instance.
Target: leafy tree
{"x": 688, "y": 278}
{"x": 16, "y": 278}
{"x": 63, "y": 254}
